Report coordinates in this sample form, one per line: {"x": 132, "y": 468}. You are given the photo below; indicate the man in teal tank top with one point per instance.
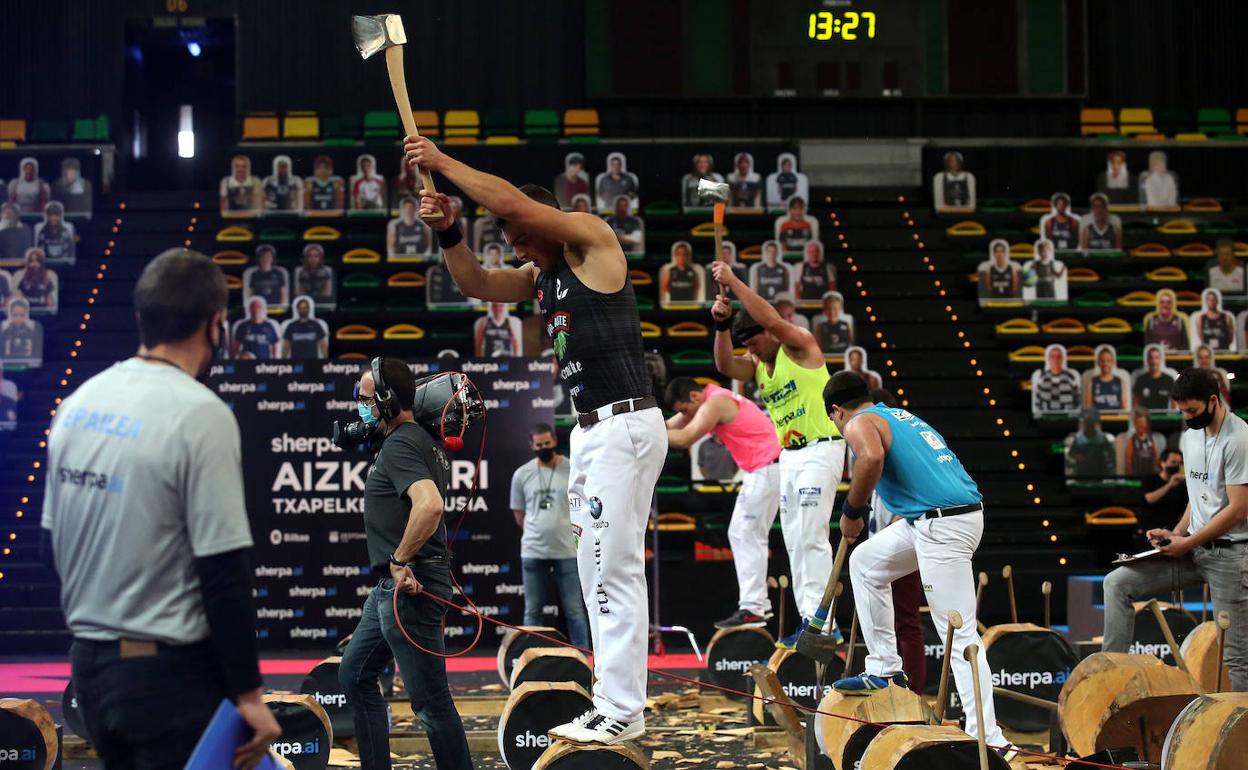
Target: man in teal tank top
{"x": 785, "y": 361}
{"x": 919, "y": 478}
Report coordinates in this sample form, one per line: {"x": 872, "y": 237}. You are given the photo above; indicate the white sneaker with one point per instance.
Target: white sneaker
{"x": 604, "y": 731}
{"x": 564, "y": 730}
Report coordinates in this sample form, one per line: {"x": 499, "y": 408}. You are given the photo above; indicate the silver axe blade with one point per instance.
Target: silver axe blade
{"x": 712, "y": 192}
{"x": 377, "y": 33}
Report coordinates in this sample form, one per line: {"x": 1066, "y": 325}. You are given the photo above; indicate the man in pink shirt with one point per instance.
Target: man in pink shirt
{"x": 751, "y": 439}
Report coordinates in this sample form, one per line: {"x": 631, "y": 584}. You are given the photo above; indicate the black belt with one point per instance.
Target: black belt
{"x": 619, "y": 407}
{"x": 812, "y": 443}
{"x": 940, "y": 513}
{"x": 428, "y": 561}
{"x": 1222, "y": 542}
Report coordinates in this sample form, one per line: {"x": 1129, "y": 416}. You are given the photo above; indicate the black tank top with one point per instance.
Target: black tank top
{"x": 597, "y": 339}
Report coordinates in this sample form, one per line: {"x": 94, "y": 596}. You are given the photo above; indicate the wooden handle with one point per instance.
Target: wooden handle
{"x": 398, "y": 84}
{"x": 830, "y": 591}
{"x": 1224, "y": 622}
{"x": 853, "y": 638}
{"x": 972, "y": 655}
{"x": 942, "y": 695}
{"x": 979, "y": 598}
{"x": 1007, "y": 572}
{"x": 1046, "y": 588}
{"x": 1155, "y": 608}
{"x": 719, "y": 241}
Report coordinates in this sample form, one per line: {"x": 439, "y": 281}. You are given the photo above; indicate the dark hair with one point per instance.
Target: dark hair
{"x": 744, "y": 327}
{"x": 541, "y": 429}
{"x": 1194, "y": 384}
{"x": 1170, "y": 451}
{"x": 537, "y": 193}
{"x": 178, "y": 292}
{"x": 680, "y": 388}
{"x": 846, "y": 390}
{"x": 398, "y": 377}
{"x": 883, "y": 396}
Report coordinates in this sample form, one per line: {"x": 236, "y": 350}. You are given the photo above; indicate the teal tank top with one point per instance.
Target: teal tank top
{"x": 920, "y": 473}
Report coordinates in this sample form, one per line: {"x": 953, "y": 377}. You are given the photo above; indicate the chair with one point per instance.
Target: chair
{"x": 1177, "y": 227}
{"x": 301, "y": 125}
{"x": 428, "y": 123}
{"x": 278, "y": 234}
{"x": 1203, "y": 205}
{"x": 1241, "y": 121}
{"x": 406, "y": 280}
{"x": 230, "y": 258}
{"x": 501, "y": 124}
{"x": 13, "y": 130}
{"x": 260, "y": 126}
{"x": 706, "y": 230}
{"x": 541, "y": 124}
{"x": 1151, "y": 250}
{"x": 1139, "y": 298}
{"x": 362, "y": 281}
{"x": 1194, "y": 249}
{"x": 1187, "y": 298}
{"x": 640, "y": 277}
{"x": 1168, "y": 274}
{"x": 1080, "y": 354}
{"x": 1023, "y": 250}
{"x": 1096, "y": 120}
{"x": 967, "y": 229}
{"x": 341, "y": 129}
{"x": 84, "y": 130}
{"x": 660, "y": 209}
{"x": 580, "y": 122}
{"x": 1029, "y": 354}
{"x": 1136, "y": 120}
{"x": 1214, "y": 121}
{"x": 694, "y": 357}
{"x": 1093, "y": 299}
{"x": 49, "y": 131}
{"x": 1036, "y": 206}
{"x": 403, "y": 332}
{"x": 235, "y": 233}
{"x": 355, "y": 332}
{"x": 1018, "y": 326}
{"x": 322, "y": 233}
{"x": 1150, "y": 136}
{"x": 461, "y": 126}
{"x": 650, "y": 330}
{"x": 233, "y": 283}
{"x": 381, "y": 124}
{"x": 1190, "y": 137}
{"x": 102, "y": 129}
{"x": 1109, "y": 326}
{"x": 688, "y": 329}
{"x": 1064, "y": 326}
{"x": 361, "y": 256}
{"x": 352, "y": 357}
{"x": 1111, "y": 516}
{"x": 751, "y": 253}
{"x": 1082, "y": 275}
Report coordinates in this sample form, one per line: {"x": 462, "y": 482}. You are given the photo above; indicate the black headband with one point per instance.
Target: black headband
{"x": 846, "y": 390}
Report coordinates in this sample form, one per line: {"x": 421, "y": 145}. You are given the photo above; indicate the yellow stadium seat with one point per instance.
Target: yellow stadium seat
{"x": 1109, "y": 326}
{"x": 675, "y": 522}
{"x": 1151, "y": 250}
{"x": 322, "y": 233}
{"x": 403, "y": 332}
{"x": 1096, "y": 120}
{"x": 356, "y": 332}
{"x": 1082, "y": 275}
{"x": 1177, "y": 227}
{"x": 990, "y": 303}
{"x": 7, "y": 144}
{"x": 1190, "y": 137}
{"x": 1111, "y": 516}
{"x": 966, "y": 229}
{"x": 1203, "y": 205}
{"x": 580, "y": 123}
{"x": 1241, "y": 249}
{"x": 1139, "y": 298}
{"x": 301, "y": 125}
{"x": 640, "y": 277}
{"x": 706, "y": 230}
{"x": 235, "y": 233}
{"x": 1018, "y": 326}
{"x": 1151, "y": 136}
{"x": 230, "y": 257}
{"x": 427, "y": 122}
{"x": 13, "y": 130}
{"x": 361, "y": 256}
{"x": 233, "y": 283}
{"x": 502, "y": 140}
{"x": 1080, "y": 354}
{"x": 1064, "y": 326}
{"x": 1194, "y": 249}
{"x": 1036, "y": 206}
{"x": 751, "y": 253}
{"x": 260, "y": 126}
{"x": 1029, "y": 354}
{"x": 1168, "y": 274}
{"x": 650, "y": 330}
{"x": 406, "y": 280}
{"x": 1187, "y": 298}
{"x": 688, "y": 329}
{"x": 1022, "y": 250}
{"x": 461, "y": 126}
{"x": 1136, "y": 120}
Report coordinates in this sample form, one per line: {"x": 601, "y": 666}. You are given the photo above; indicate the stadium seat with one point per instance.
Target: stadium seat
{"x": 1096, "y": 120}
{"x": 502, "y": 124}
{"x": 1111, "y": 516}
{"x": 1175, "y": 121}
{"x": 322, "y": 233}
{"x": 694, "y": 357}
{"x": 1093, "y": 299}
{"x": 278, "y": 234}
{"x": 341, "y": 129}
{"x": 706, "y": 230}
{"x": 427, "y": 122}
{"x": 1241, "y": 249}
{"x": 1190, "y": 137}
{"x": 13, "y": 130}
{"x": 403, "y": 332}
{"x": 1150, "y": 136}
{"x": 1168, "y": 274}
{"x": 1136, "y": 120}
{"x": 650, "y": 330}
{"x": 361, "y": 256}
{"x": 1018, "y": 326}
{"x": 233, "y": 283}
{"x": 1082, "y": 275}
{"x": 1023, "y": 250}
{"x": 967, "y": 229}
{"x": 260, "y": 126}
{"x": 503, "y": 140}
{"x": 355, "y": 332}
{"x": 406, "y": 280}
{"x": 1203, "y": 205}
{"x": 1109, "y": 326}
{"x": 1064, "y": 326}
{"x": 1241, "y": 121}
{"x": 235, "y": 233}
{"x": 661, "y": 209}
{"x": 1214, "y": 121}
{"x": 1080, "y": 354}
{"x": 751, "y": 253}
{"x": 353, "y": 357}
{"x": 361, "y": 281}
{"x": 646, "y": 303}
{"x": 49, "y": 131}
{"x": 102, "y": 129}
{"x": 1187, "y": 298}
{"x": 541, "y": 124}
{"x": 1036, "y": 206}
{"x": 640, "y": 277}
{"x": 688, "y": 329}
{"x": 1194, "y": 249}
{"x": 84, "y": 130}
{"x": 230, "y": 258}
{"x": 461, "y": 126}
{"x": 580, "y": 123}
{"x": 1029, "y": 354}
{"x": 1177, "y": 227}
{"x": 301, "y": 125}
{"x": 1151, "y": 250}
{"x": 1138, "y": 298}
{"x": 382, "y": 124}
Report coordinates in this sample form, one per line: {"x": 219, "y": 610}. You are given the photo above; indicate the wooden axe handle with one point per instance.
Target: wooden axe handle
{"x": 398, "y": 84}
{"x": 829, "y": 592}
{"x": 719, "y": 240}
{"x": 1155, "y": 607}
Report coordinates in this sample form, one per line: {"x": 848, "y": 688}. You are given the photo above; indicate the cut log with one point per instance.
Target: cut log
{"x": 921, "y": 747}
{"x": 532, "y": 710}
{"x": 781, "y": 710}
{"x": 27, "y": 735}
{"x": 1210, "y": 734}
{"x": 797, "y": 677}
{"x": 307, "y": 735}
{"x": 516, "y": 641}
{"x": 1200, "y": 649}
{"x": 552, "y": 664}
{"x": 567, "y": 756}
{"x": 843, "y": 740}
{"x": 731, "y": 653}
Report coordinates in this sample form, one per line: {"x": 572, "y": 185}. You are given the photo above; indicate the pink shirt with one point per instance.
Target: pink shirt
{"x": 750, "y": 438}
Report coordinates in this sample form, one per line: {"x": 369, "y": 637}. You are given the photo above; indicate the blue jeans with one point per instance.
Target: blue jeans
{"x": 571, "y": 603}
{"x": 375, "y": 640}
{"x": 146, "y": 713}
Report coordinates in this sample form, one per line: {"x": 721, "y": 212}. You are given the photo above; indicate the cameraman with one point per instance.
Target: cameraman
{"x": 407, "y": 543}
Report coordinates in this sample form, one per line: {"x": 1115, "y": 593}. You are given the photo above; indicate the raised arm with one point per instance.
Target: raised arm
{"x": 727, "y": 361}
{"x": 800, "y": 343}
{"x": 472, "y": 279}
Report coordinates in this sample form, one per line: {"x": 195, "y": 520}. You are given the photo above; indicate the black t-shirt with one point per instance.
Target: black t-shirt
{"x": 682, "y": 285}
{"x": 304, "y": 337}
{"x": 268, "y": 284}
{"x": 1165, "y": 512}
{"x": 813, "y": 281}
{"x": 408, "y": 455}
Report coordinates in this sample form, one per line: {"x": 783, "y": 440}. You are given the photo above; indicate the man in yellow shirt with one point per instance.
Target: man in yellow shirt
{"x": 785, "y": 361}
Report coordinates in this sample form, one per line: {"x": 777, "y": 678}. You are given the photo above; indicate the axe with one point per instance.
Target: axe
{"x": 717, "y": 193}
{"x": 385, "y": 32}
{"x": 813, "y": 643}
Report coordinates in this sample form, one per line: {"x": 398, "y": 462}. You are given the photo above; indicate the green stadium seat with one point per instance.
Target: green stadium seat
{"x": 1174, "y": 121}
{"x": 103, "y": 131}
{"x": 382, "y": 125}
{"x": 1214, "y": 121}
{"x": 364, "y": 281}
{"x": 49, "y": 131}
{"x": 501, "y": 123}
{"x": 278, "y": 234}
{"x": 540, "y": 124}
{"x": 340, "y": 129}
{"x": 84, "y": 130}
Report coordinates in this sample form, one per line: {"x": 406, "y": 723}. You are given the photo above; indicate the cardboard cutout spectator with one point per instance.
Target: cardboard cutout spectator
{"x": 728, "y": 253}
{"x": 794, "y": 230}
{"x": 1225, "y": 272}
{"x": 856, "y": 362}
{"x": 256, "y": 337}
{"x": 315, "y": 279}
{"x": 15, "y": 236}
{"x": 441, "y": 290}
{"x": 368, "y": 188}
{"x": 1166, "y": 325}
{"x": 493, "y": 258}
{"x": 745, "y": 186}
{"x": 72, "y": 191}
{"x": 581, "y": 204}
{"x": 324, "y": 192}
{"x": 1159, "y": 186}
{"x": 408, "y": 239}
{"x": 815, "y": 276}
{"x": 1116, "y": 182}
{"x": 6, "y": 291}
{"x": 703, "y": 168}
{"x": 617, "y": 180}
{"x": 629, "y": 229}
{"x": 1142, "y": 447}
{"x": 267, "y": 279}
{"x": 283, "y": 191}
{"x": 771, "y": 277}
{"x": 1090, "y": 451}
{"x": 407, "y": 184}
{"x": 785, "y": 182}
{"x": 56, "y": 236}
{"x": 9, "y": 396}
{"x": 304, "y": 335}
{"x": 573, "y": 181}
{"x": 1061, "y": 224}
{"x": 240, "y": 192}
{"x": 1211, "y": 325}
{"x": 953, "y": 189}
{"x": 28, "y": 191}
{"x": 37, "y": 284}
{"x": 833, "y": 328}
{"x": 1044, "y": 278}
{"x": 497, "y": 334}
{"x": 1205, "y": 358}
{"x": 710, "y": 461}
{"x": 1150, "y": 386}
{"x": 999, "y": 278}
{"x": 1100, "y": 230}
{"x": 225, "y": 350}
{"x": 788, "y": 311}
{"x": 1106, "y": 387}
{"x": 1055, "y": 389}
{"x": 681, "y": 282}
{"x": 21, "y": 337}
{"x": 486, "y": 231}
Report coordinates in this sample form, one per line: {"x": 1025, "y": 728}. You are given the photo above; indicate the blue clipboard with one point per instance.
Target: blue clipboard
{"x": 225, "y": 733}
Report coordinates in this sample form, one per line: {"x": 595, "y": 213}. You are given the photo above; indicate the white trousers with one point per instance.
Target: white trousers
{"x": 808, "y": 480}
{"x": 758, "y": 501}
{"x": 614, "y": 467}
{"x": 941, "y": 550}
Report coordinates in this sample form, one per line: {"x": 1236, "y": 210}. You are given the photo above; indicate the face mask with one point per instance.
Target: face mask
{"x": 1202, "y": 420}
{"x": 1173, "y": 468}
{"x": 545, "y": 454}
{"x": 366, "y": 415}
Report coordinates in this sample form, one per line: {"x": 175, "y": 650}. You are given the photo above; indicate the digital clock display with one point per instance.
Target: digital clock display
{"x": 850, "y": 25}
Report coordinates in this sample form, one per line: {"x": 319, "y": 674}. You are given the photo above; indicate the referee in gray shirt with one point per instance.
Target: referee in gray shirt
{"x": 144, "y": 506}
{"x": 1209, "y": 544}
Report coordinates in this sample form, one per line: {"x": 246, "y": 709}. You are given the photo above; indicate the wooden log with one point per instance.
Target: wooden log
{"x": 844, "y": 740}
{"x": 532, "y": 710}
{"x": 307, "y": 734}
{"x": 1210, "y": 734}
{"x": 27, "y": 735}
{"x": 567, "y": 756}
{"x": 782, "y": 711}
{"x": 516, "y": 641}
{"x": 1113, "y": 700}
{"x": 552, "y": 664}
{"x": 1200, "y": 649}
{"x": 920, "y": 747}
{"x": 798, "y": 681}
{"x": 730, "y": 655}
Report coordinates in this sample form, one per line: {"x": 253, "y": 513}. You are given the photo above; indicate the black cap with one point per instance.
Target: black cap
{"x": 843, "y": 388}
{"x": 744, "y": 327}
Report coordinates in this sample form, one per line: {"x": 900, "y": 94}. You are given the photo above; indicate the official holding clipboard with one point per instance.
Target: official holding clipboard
{"x": 1209, "y": 543}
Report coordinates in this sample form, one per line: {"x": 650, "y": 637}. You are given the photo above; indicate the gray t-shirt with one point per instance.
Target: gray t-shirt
{"x": 144, "y": 475}
{"x": 542, "y": 493}
{"x": 1212, "y": 463}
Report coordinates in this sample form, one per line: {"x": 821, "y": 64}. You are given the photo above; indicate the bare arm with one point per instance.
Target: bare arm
{"x": 712, "y": 412}
{"x": 1153, "y": 497}
{"x": 865, "y": 437}
{"x": 478, "y": 338}
{"x": 519, "y": 517}
{"x": 727, "y": 361}
{"x": 800, "y": 343}
{"x": 422, "y": 520}
{"x": 676, "y": 421}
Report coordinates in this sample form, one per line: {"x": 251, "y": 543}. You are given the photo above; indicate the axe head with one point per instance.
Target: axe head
{"x": 377, "y": 33}
{"x": 821, "y": 648}
{"x": 712, "y": 192}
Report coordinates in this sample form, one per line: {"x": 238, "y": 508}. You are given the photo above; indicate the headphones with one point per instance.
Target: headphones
{"x": 443, "y": 400}
{"x": 387, "y": 401}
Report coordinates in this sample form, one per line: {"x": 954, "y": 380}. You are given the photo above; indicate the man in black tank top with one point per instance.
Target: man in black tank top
{"x": 572, "y": 264}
